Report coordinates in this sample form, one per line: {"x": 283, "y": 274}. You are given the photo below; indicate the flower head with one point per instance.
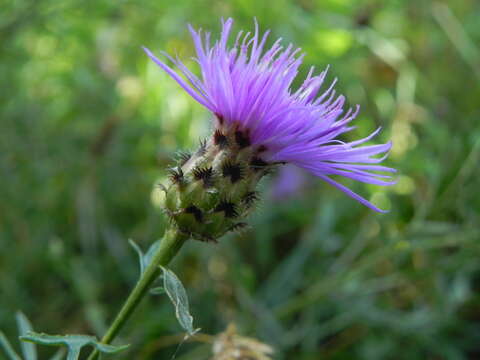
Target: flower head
{"x": 248, "y": 88}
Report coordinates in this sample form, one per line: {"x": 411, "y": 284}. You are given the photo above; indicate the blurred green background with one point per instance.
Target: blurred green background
{"x": 89, "y": 124}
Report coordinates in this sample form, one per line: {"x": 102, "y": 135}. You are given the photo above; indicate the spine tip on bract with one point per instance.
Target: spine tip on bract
{"x": 176, "y": 175}
{"x": 250, "y": 198}
{"x": 183, "y": 157}
{"x": 220, "y": 139}
{"x": 238, "y": 226}
{"x": 204, "y": 174}
{"x": 202, "y": 149}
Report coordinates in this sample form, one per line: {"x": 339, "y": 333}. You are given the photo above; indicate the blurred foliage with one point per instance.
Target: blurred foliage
{"x": 88, "y": 126}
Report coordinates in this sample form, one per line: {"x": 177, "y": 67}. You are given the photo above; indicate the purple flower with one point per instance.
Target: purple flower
{"x": 248, "y": 88}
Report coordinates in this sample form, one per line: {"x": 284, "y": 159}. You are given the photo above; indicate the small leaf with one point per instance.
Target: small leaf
{"x": 147, "y": 259}
{"x": 178, "y": 296}
{"x": 139, "y": 253}
{"x": 144, "y": 259}
{"x": 74, "y": 343}
{"x": 7, "y": 348}
{"x": 24, "y": 326}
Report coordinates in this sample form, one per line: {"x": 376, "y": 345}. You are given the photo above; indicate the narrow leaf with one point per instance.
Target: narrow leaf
{"x": 24, "y": 326}
{"x": 74, "y": 343}
{"x": 139, "y": 253}
{"x": 147, "y": 259}
{"x": 178, "y": 296}
{"x": 7, "y": 348}
{"x": 144, "y": 259}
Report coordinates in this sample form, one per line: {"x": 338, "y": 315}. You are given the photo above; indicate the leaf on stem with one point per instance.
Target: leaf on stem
{"x": 7, "y": 348}
{"x": 24, "y": 326}
{"x": 178, "y": 296}
{"x": 74, "y": 343}
{"x": 144, "y": 259}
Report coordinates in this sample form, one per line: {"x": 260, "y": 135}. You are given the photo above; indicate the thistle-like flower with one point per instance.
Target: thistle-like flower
{"x": 260, "y": 122}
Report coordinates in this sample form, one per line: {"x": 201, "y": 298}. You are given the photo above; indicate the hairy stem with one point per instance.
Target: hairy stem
{"x": 169, "y": 246}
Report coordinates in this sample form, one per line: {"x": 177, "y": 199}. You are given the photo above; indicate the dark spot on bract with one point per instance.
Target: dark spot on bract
{"x": 242, "y": 139}
{"x": 261, "y": 148}
{"x": 196, "y": 212}
{"x": 220, "y": 118}
{"x": 220, "y": 139}
{"x": 229, "y": 208}
{"x": 233, "y": 171}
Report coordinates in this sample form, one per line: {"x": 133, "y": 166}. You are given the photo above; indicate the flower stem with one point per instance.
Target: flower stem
{"x": 169, "y": 246}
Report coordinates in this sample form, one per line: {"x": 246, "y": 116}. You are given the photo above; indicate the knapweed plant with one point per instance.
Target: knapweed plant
{"x": 260, "y": 123}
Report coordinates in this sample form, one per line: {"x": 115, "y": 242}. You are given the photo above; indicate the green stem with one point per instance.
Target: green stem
{"x": 169, "y": 246}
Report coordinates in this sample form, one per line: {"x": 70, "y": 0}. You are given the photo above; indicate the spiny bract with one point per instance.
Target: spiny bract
{"x": 214, "y": 189}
